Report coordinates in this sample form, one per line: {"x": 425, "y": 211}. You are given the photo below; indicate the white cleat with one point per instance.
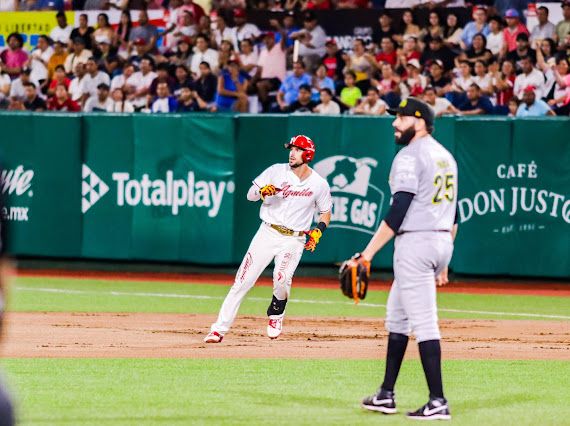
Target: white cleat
{"x": 274, "y": 327}
{"x": 213, "y": 337}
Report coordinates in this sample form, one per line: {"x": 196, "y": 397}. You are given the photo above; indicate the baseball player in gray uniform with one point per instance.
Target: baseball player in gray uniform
{"x": 422, "y": 217}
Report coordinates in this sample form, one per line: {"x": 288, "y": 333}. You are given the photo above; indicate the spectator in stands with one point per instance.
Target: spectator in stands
{"x": 84, "y": 31}
{"x": 101, "y": 102}
{"x": 327, "y": 106}
{"x": 13, "y": 59}
{"x": 477, "y": 26}
{"x": 437, "y": 50}
{"x": 544, "y": 29}
{"x": 119, "y": 81}
{"x": 440, "y": 105}
{"x": 410, "y": 50}
{"x": 529, "y": 76}
{"x": 226, "y": 54}
{"x": 531, "y": 106}
{"x": 303, "y": 104}
{"x": 5, "y": 83}
{"x": 288, "y": 26}
{"x": 385, "y": 29}
{"x": 232, "y": 89}
{"x": 452, "y": 32}
{"x": 186, "y": 101}
{"x": 350, "y": 94}
{"x": 79, "y": 55}
{"x": 409, "y": 27}
{"x": 243, "y": 29}
{"x": 560, "y": 101}
{"x": 334, "y": 61}
{"x": 482, "y": 78}
{"x": 321, "y": 81}
{"x": 38, "y": 61}
{"x": 221, "y": 32}
{"x": 433, "y": 29}
{"x": 162, "y": 76}
{"x": 352, "y": 4}
{"x": 513, "y": 107}
{"x": 437, "y": 79}
{"x": 77, "y": 84}
{"x": 563, "y": 27}
{"x": 32, "y": 101}
{"x": 317, "y": 4}
{"x": 57, "y": 58}
{"x": 62, "y": 32}
{"x": 123, "y": 33}
{"x": 513, "y": 29}
{"x": 476, "y": 104}
{"x": 183, "y": 53}
{"x": 163, "y": 102}
{"x": 194, "y": 8}
{"x": 289, "y": 90}
{"x": 495, "y": 38}
{"x": 188, "y": 28}
{"x": 372, "y": 104}
{"x": 146, "y": 32}
{"x": 312, "y": 38}
{"x": 361, "y": 62}
{"x": 59, "y": 77}
{"x": 183, "y": 79}
{"x": 138, "y": 84}
{"x": 202, "y": 53}
{"x": 120, "y": 104}
{"x": 504, "y": 82}
{"x": 478, "y": 51}
{"x": 104, "y": 29}
{"x": 415, "y": 81}
{"x": 105, "y": 56}
{"x": 387, "y": 53}
{"x": 460, "y": 84}
{"x": 271, "y": 67}
{"x": 205, "y": 26}
{"x": 388, "y": 86}
{"x": 61, "y": 101}
{"x": 93, "y": 79}
{"x": 205, "y": 87}
{"x": 248, "y": 57}
{"x": 17, "y": 90}
{"x": 522, "y": 50}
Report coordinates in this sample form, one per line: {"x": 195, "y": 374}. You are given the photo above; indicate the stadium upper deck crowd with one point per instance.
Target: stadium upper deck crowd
{"x": 222, "y": 62}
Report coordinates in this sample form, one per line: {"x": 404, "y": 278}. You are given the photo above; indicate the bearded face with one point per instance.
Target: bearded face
{"x": 404, "y": 129}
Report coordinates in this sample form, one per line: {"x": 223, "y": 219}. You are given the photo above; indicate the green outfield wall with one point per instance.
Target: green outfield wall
{"x": 172, "y": 188}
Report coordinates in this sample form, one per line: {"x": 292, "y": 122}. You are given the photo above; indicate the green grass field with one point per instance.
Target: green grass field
{"x": 251, "y": 392}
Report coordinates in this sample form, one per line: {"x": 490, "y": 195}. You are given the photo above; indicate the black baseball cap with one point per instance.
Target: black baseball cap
{"x": 413, "y": 107}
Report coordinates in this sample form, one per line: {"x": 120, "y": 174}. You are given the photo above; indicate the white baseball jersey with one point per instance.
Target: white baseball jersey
{"x": 296, "y": 203}
{"x": 425, "y": 168}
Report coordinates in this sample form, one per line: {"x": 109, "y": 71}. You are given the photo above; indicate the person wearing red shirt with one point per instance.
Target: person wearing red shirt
{"x": 512, "y": 30}
{"x": 61, "y": 101}
{"x": 59, "y": 77}
{"x": 318, "y": 5}
{"x": 352, "y": 4}
{"x": 388, "y": 53}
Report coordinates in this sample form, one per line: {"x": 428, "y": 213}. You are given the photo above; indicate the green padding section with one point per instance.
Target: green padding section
{"x": 42, "y": 151}
{"x": 173, "y": 187}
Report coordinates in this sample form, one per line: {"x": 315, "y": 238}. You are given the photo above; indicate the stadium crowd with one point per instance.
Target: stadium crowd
{"x": 222, "y": 62}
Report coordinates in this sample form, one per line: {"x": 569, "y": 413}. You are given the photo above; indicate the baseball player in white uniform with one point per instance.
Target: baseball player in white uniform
{"x": 422, "y": 217}
{"x": 290, "y": 195}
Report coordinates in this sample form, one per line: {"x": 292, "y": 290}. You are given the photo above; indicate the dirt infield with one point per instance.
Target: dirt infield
{"x": 125, "y": 335}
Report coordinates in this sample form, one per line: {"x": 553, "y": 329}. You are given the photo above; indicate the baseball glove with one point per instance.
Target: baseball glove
{"x": 354, "y": 275}
{"x": 268, "y": 191}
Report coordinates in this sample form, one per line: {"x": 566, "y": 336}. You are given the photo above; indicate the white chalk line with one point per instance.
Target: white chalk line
{"x": 263, "y": 299}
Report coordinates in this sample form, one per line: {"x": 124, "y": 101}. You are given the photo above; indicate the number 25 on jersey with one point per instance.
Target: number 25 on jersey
{"x": 444, "y": 187}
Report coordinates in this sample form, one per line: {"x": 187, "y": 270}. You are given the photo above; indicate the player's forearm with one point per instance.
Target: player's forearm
{"x": 325, "y": 218}
{"x": 253, "y": 193}
{"x": 379, "y": 240}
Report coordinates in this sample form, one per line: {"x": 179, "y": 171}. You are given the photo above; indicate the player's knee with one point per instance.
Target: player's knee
{"x": 397, "y": 326}
{"x": 428, "y": 330}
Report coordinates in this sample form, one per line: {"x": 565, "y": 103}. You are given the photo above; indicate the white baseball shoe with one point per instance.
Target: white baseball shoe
{"x": 213, "y": 337}
{"x": 274, "y": 327}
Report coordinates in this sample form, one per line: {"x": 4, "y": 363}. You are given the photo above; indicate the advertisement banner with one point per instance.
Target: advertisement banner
{"x": 30, "y": 25}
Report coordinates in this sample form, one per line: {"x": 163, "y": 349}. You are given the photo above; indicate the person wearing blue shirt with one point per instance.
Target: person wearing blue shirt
{"x": 289, "y": 27}
{"x": 320, "y": 82}
{"x": 532, "y": 107}
{"x": 475, "y": 103}
{"x": 478, "y": 25}
{"x": 232, "y": 88}
{"x": 289, "y": 90}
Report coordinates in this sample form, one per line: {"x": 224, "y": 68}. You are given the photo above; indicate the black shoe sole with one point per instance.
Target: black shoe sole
{"x": 379, "y": 409}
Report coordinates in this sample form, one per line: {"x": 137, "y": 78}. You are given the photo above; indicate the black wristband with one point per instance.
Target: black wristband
{"x": 322, "y": 226}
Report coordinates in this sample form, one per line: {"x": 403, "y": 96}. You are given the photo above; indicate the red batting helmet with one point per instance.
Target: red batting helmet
{"x": 306, "y": 144}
